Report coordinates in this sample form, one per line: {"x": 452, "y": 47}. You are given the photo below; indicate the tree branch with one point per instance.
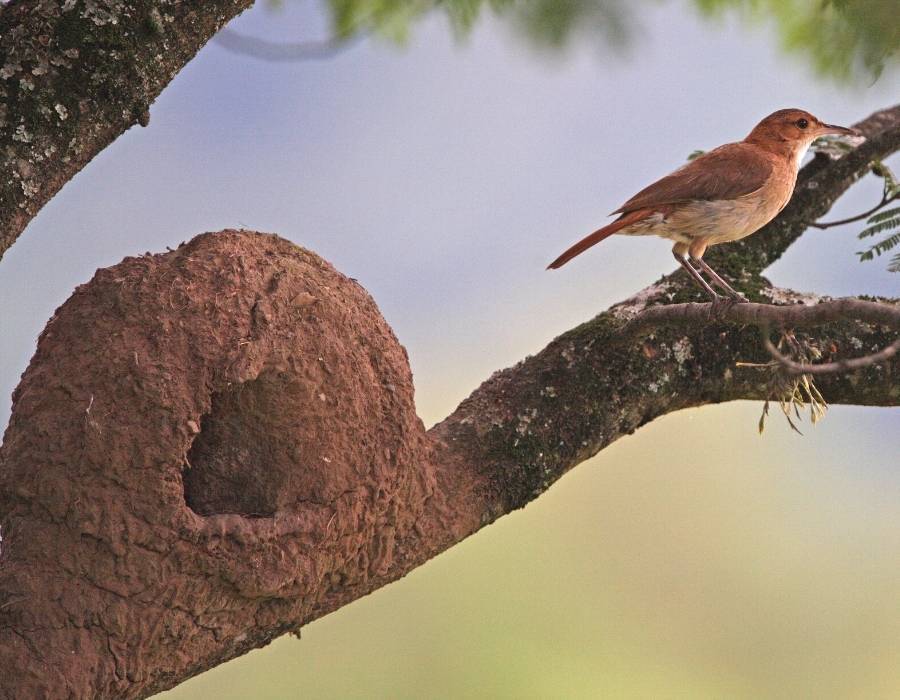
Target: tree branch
{"x": 847, "y": 364}
{"x": 76, "y": 75}
{"x": 763, "y": 315}
{"x": 592, "y": 385}
{"x": 885, "y": 200}
{"x": 795, "y": 316}
{"x": 144, "y": 526}
{"x": 278, "y": 52}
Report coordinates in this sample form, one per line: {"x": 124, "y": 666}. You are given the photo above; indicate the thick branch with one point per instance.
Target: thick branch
{"x": 76, "y": 75}
{"x": 766, "y": 315}
{"x": 528, "y": 425}
{"x": 794, "y": 316}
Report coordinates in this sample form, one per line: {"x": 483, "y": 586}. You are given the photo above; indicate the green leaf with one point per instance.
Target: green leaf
{"x": 845, "y": 39}
{"x": 762, "y": 417}
{"x": 887, "y": 243}
{"x": 895, "y": 263}
{"x": 880, "y": 247}
{"x": 882, "y": 215}
{"x": 879, "y": 227}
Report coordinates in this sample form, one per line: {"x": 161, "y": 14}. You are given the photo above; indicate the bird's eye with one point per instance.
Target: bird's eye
{"x": 802, "y": 123}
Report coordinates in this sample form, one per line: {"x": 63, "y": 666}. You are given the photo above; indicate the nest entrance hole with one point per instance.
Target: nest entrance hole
{"x": 242, "y": 456}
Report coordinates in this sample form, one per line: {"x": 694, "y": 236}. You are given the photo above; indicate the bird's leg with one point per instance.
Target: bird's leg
{"x": 697, "y": 277}
{"x": 717, "y": 280}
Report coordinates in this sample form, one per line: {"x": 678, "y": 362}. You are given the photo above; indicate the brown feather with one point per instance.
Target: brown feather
{"x": 598, "y": 235}
{"x": 727, "y": 172}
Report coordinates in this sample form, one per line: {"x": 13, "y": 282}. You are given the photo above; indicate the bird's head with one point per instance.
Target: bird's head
{"x": 794, "y": 128}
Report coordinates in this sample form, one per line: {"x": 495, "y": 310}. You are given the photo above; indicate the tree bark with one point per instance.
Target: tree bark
{"x": 74, "y": 75}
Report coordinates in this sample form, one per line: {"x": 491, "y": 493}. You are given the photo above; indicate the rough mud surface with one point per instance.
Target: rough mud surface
{"x": 209, "y": 447}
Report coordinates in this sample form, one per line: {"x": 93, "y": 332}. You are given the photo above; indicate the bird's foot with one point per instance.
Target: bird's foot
{"x": 720, "y": 305}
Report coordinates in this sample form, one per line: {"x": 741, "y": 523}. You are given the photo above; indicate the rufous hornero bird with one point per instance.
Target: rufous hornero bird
{"x": 720, "y": 196}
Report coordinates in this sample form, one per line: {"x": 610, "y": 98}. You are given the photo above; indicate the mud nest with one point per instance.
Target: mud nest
{"x": 228, "y": 426}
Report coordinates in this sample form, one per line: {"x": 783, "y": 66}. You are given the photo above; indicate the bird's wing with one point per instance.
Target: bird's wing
{"x": 728, "y": 172}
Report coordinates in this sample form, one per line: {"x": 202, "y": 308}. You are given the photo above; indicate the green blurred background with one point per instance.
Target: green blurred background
{"x": 693, "y": 559}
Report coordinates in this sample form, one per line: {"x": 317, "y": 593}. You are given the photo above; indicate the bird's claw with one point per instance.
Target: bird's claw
{"x": 720, "y": 306}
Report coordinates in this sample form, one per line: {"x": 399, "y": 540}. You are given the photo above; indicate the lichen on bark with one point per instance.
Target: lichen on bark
{"x": 74, "y": 75}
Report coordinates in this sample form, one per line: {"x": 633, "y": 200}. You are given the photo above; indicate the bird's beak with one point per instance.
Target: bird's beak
{"x": 839, "y": 130}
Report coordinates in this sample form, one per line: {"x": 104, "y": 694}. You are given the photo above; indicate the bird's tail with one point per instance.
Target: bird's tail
{"x": 598, "y": 235}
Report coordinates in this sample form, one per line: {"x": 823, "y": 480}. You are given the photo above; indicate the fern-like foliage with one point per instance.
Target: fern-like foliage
{"x": 885, "y": 221}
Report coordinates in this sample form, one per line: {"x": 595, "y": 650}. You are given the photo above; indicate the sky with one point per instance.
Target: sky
{"x": 691, "y": 559}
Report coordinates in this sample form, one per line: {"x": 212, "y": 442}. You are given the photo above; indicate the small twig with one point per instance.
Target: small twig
{"x": 846, "y": 365}
{"x": 885, "y": 200}
{"x": 291, "y": 51}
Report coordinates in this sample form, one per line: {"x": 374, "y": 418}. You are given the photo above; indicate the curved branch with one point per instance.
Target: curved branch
{"x": 74, "y": 76}
{"x": 528, "y": 425}
{"x": 848, "y": 364}
{"x": 101, "y": 69}
{"x": 885, "y": 200}
{"x": 277, "y": 52}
